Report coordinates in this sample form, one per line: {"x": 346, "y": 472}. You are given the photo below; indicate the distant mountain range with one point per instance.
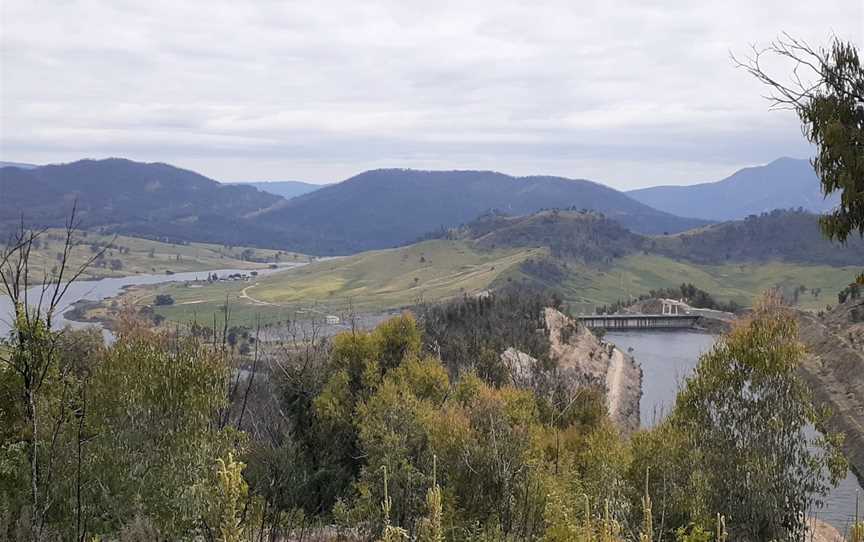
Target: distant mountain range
{"x": 389, "y": 207}
{"x": 285, "y": 189}
{"x": 151, "y": 200}
{"x": 376, "y": 209}
{"x": 786, "y": 183}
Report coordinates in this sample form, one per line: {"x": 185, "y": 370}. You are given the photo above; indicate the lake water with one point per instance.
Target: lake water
{"x": 97, "y": 290}
{"x": 666, "y": 358}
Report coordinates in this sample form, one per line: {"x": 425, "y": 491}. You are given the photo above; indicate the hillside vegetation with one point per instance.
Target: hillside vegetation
{"x": 376, "y": 209}
{"x": 790, "y": 236}
{"x": 420, "y": 427}
{"x": 123, "y": 255}
{"x": 384, "y": 208}
{"x": 372, "y": 281}
{"x": 787, "y": 236}
{"x": 582, "y": 236}
{"x": 150, "y": 200}
{"x": 585, "y": 288}
{"x": 594, "y": 261}
{"x": 587, "y": 258}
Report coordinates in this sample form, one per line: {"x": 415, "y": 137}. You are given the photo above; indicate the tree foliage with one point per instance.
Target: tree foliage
{"x": 412, "y": 431}
{"x": 827, "y": 92}
{"x": 741, "y": 436}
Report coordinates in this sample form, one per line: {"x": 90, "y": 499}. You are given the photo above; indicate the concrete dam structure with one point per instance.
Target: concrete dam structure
{"x": 639, "y": 321}
{"x": 673, "y": 315}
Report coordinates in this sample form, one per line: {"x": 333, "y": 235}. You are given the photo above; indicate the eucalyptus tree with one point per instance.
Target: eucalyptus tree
{"x": 826, "y": 90}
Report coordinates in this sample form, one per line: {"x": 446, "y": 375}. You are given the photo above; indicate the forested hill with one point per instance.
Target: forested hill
{"x": 790, "y": 236}
{"x": 584, "y": 236}
{"x": 389, "y": 207}
{"x": 149, "y": 199}
{"x": 786, "y": 183}
{"x": 376, "y": 209}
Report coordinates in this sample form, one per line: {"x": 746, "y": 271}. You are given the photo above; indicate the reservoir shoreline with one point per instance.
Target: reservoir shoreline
{"x": 666, "y": 358}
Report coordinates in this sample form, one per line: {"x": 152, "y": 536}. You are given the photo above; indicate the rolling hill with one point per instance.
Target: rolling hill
{"x": 588, "y": 237}
{"x": 391, "y": 207}
{"x": 587, "y": 258}
{"x": 785, "y": 183}
{"x": 592, "y": 263}
{"x": 124, "y": 256}
{"x": 154, "y": 200}
{"x": 376, "y": 209}
{"x": 789, "y": 236}
{"x": 378, "y": 280}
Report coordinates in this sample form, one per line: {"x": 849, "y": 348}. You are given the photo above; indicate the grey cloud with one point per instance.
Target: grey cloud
{"x": 625, "y": 91}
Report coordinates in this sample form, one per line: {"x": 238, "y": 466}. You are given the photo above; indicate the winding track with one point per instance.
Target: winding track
{"x": 244, "y": 294}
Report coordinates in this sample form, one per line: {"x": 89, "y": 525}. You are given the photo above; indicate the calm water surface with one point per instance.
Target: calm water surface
{"x": 667, "y": 357}
{"x": 97, "y": 290}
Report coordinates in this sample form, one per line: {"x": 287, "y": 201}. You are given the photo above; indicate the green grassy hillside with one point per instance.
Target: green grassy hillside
{"x": 430, "y": 270}
{"x": 639, "y": 273}
{"x": 385, "y": 279}
{"x": 371, "y": 281}
{"x": 587, "y": 258}
{"x": 132, "y": 255}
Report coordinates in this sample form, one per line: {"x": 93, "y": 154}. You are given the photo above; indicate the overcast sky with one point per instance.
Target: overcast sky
{"x": 630, "y": 93}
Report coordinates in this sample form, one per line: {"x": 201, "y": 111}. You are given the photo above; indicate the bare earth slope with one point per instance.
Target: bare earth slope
{"x": 583, "y": 351}
{"x": 834, "y": 369}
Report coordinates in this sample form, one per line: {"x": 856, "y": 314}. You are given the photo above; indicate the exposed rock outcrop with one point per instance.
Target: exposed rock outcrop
{"x": 583, "y": 359}
{"x": 521, "y": 368}
{"x": 819, "y": 531}
{"x": 834, "y": 371}
{"x": 576, "y": 349}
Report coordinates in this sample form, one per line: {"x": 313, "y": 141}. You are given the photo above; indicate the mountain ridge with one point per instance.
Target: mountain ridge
{"x": 375, "y": 209}
{"x": 391, "y": 207}
{"x": 590, "y": 237}
{"x": 147, "y": 199}
{"x": 783, "y": 183}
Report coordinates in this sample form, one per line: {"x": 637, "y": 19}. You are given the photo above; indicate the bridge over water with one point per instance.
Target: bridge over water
{"x": 639, "y": 321}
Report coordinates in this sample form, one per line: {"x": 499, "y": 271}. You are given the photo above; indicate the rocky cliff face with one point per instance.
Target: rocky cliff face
{"x": 583, "y": 359}
{"x": 575, "y": 348}
{"x": 834, "y": 370}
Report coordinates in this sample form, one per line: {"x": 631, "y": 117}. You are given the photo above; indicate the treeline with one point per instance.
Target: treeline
{"x": 576, "y": 235}
{"x": 394, "y": 434}
{"x": 695, "y": 297}
{"x": 470, "y": 334}
{"x": 781, "y": 235}
{"x": 595, "y": 239}
{"x": 418, "y": 430}
{"x": 687, "y": 292}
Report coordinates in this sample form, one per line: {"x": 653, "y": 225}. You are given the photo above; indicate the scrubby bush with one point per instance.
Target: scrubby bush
{"x": 163, "y": 300}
